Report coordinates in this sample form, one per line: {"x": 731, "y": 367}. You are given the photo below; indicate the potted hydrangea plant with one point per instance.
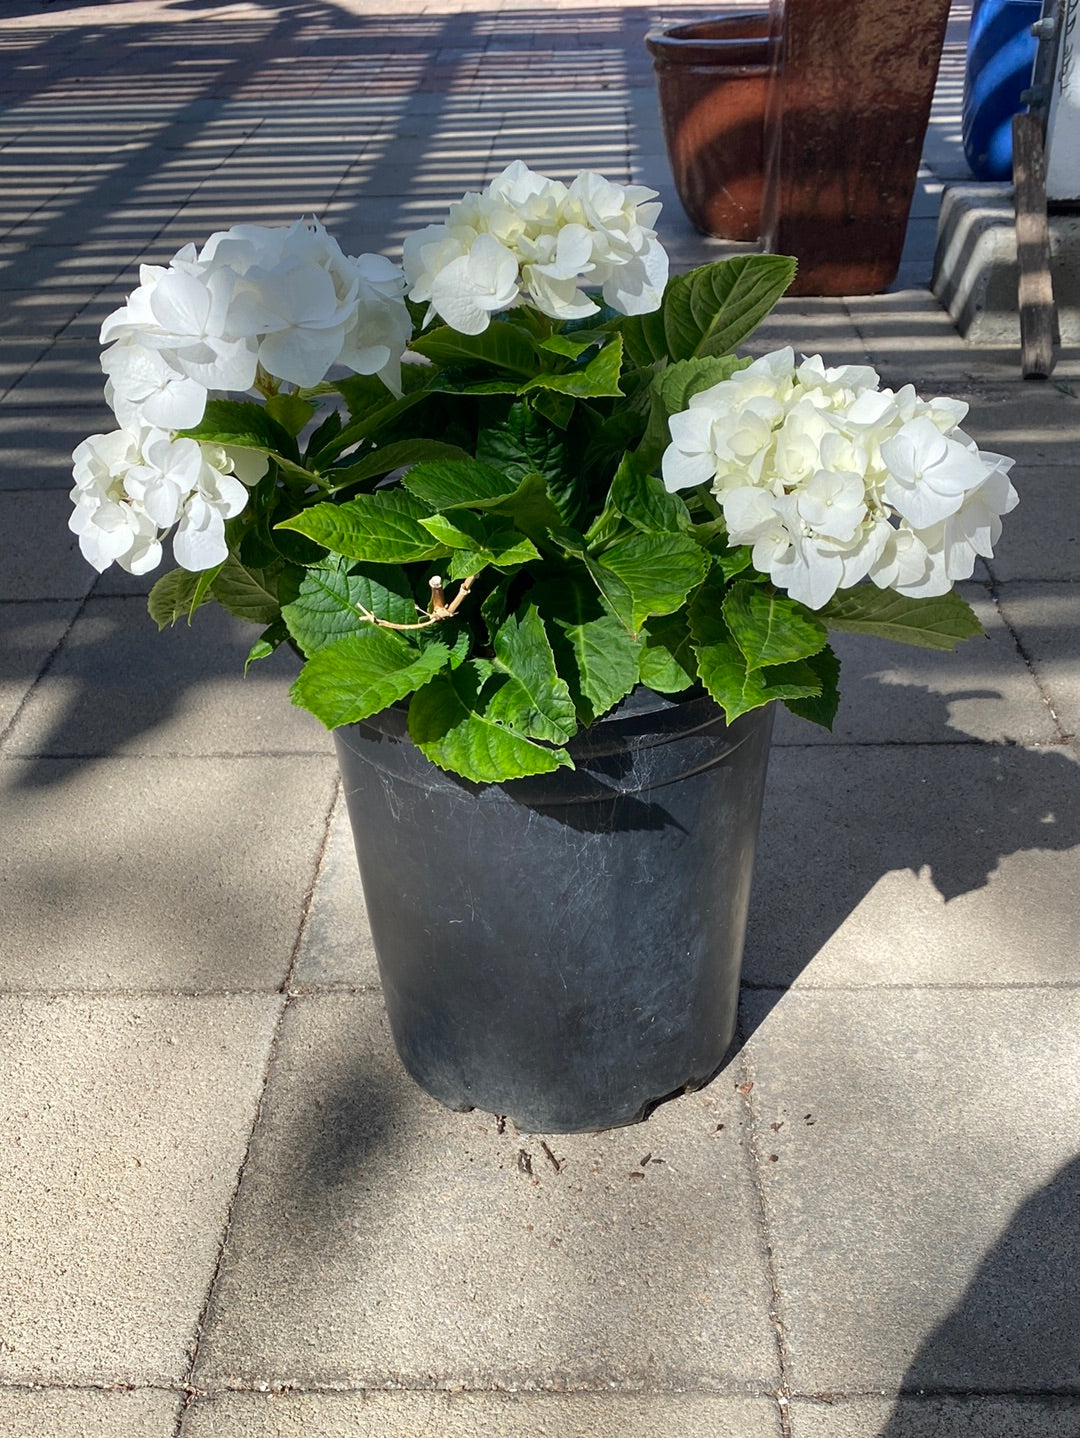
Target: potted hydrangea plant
{"x": 550, "y": 552}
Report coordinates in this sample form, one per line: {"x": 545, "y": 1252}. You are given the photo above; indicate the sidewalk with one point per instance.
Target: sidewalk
{"x": 224, "y": 1209}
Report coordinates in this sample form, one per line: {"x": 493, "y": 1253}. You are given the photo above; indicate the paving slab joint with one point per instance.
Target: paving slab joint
{"x": 745, "y": 1087}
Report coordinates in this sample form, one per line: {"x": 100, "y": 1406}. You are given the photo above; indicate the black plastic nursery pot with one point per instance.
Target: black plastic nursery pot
{"x": 563, "y": 950}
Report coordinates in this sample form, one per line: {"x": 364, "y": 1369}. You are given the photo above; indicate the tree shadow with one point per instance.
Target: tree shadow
{"x": 1017, "y": 1326}
{"x": 841, "y": 820}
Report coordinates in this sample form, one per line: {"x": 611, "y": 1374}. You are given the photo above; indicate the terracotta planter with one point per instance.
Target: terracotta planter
{"x": 713, "y": 78}
{"x": 858, "y": 77}
{"x": 564, "y": 950}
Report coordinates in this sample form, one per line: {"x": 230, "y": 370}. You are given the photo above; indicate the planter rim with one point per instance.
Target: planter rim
{"x": 747, "y": 37}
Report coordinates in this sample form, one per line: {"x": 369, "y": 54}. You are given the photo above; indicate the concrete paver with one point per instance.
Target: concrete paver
{"x": 982, "y": 692}
{"x": 931, "y": 864}
{"x": 106, "y": 881}
{"x": 119, "y": 686}
{"x": 473, "y": 1415}
{"x": 378, "y": 1238}
{"x": 73, "y": 1412}
{"x": 917, "y": 1240}
{"x": 335, "y": 946}
{"x": 31, "y": 633}
{"x": 934, "y": 1418}
{"x": 1043, "y": 617}
{"x": 123, "y": 1123}
{"x": 168, "y": 830}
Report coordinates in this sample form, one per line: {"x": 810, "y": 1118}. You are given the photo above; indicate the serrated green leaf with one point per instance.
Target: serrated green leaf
{"x": 291, "y": 411}
{"x": 324, "y": 434}
{"x": 559, "y": 408}
{"x": 332, "y": 594}
{"x": 454, "y": 484}
{"x": 389, "y": 457}
{"x": 380, "y": 528}
{"x": 246, "y": 425}
{"x": 593, "y": 651}
{"x": 536, "y": 702}
{"x": 666, "y": 658}
{"x": 770, "y": 628}
{"x": 447, "y": 723}
{"x": 256, "y": 595}
{"x": 570, "y": 346}
{"x": 373, "y": 410}
{"x": 820, "y": 709}
{"x": 364, "y": 673}
{"x": 173, "y": 597}
{"x": 598, "y": 378}
{"x": 737, "y": 689}
{"x": 452, "y": 634}
{"x": 712, "y": 309}
{"x": 270, "y": 640}
{"x": 642, "y": 499}
{"x": 525, "y": 443}
{"x": 938, "y": 623}
{"x": 731, "y": 562}
{"x": 503, "y": 345}
{"x": 654, "y": 573}
{"x": 645, "y": 338}
{"x": 479, "y": 540}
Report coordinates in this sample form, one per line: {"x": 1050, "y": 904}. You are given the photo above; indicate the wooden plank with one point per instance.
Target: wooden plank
{"x": 1038, "y": 315}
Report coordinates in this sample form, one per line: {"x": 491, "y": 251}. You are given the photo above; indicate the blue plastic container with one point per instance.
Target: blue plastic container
{"x": 1000, "y": 57}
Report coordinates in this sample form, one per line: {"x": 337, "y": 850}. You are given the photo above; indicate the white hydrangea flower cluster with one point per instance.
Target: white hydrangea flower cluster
{"x": 529, "y": 237}
{"x": 131, "y": 486}
{"x": 833, "y": 479}
{"x": 284, "y": 301}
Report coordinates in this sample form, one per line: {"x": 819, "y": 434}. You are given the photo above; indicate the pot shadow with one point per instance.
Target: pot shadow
{"x": 1017, "y": 1326}
{"x": 840, "y": 818}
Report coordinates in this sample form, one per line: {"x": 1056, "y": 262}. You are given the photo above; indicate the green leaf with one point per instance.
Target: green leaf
{"x": 388, "y": 457}
{"x": 324, "y": 434}
{"x": 451, "y": 484}
{"x": 645, "y": 338}
{"x": 503, "y": 345}
{"x": 820, "y": 710}
{"x": 525, "y": 443}
{"x": 731, "y": 562}
{"x": 666, "y": 658}
{"x": 712, "y": 309}
{"x": 535, "y": 702}
{"x": 598, "y": 378}
{"x": 173, "y": 597}
{"x": 364, "y": 673}
{"x": 559, "y": 408}
{"x": 479, "y": 540}
{"x": 770, "y": 628}
{"x": 256, "y": 595}
{"x": 722, "y": 665}
{"x": 570, "y": 346}
{"x": 245, "y": 424}
{"x": 381, "y": 528}
{"x": 447, "y": 722}
{"x": 373, "y": 409}
{"x": 939, "y": 623}
{"x": 593, "y": 651}
{"x": 332, "y": 593}
{"x": 655, "y": 573}
{"x": 642, "y": 499}
{"x": 268, "y": 641}
{"x": 737, "y": 690}
{"x": 670, "y": 393}
{"x": 290, "y": 411}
